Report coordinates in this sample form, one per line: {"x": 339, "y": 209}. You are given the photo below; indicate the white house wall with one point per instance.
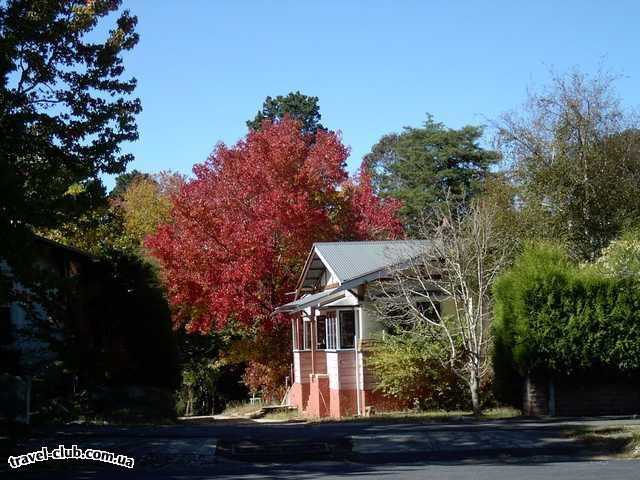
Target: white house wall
{"x": 349, "y": 300}
{"x": 333, "y": 370}
{"x": 327, "y": 278}
{"x": 370, "y": 326}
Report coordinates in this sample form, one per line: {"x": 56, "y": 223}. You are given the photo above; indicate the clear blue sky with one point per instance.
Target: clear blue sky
{"x": 205, "y": 67}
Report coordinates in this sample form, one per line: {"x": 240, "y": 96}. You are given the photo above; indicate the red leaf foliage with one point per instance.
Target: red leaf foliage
{"x": 369, "y": 217}
{"x": 241, "y": 229}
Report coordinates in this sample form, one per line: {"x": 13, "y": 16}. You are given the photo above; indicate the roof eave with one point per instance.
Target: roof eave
{"x": 301, "y": 304}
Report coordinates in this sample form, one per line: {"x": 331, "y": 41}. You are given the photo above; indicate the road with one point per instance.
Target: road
{"x": 530, "y": 470}
{"x": 491, "y": 450}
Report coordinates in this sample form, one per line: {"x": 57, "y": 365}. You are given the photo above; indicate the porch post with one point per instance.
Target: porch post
{"x": 313, "y": 340}
{"x": 356, "y": 314}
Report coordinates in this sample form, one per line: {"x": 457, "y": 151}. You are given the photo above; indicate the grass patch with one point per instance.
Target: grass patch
{"x": 241, "y": 409}
{"x": 284, "y": 415}
{"x": 617, "y": 440}
{"x": 499, "y": 413}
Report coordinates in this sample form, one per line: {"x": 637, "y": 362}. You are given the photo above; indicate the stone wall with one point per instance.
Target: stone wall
{"x": 536, "y": 397}
{"x": 564, "y": 398}
{"x": 600, "y": 399}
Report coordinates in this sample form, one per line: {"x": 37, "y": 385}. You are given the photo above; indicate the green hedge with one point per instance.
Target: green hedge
{"x": 553, "y": 317}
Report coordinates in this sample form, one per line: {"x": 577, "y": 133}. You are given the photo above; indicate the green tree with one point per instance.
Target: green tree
{"x": 621, "y": 257}
{"x": 423, "y": 166}
{"x": 574, "y": 156}
{"x": 146, "y": 203}
{"x": 303, "y": 108}
{"x": 122, "y": 220}
{"x": 98, "y": 231}
{"x": 124, "y": 180}
{"x": 65, "y": 109}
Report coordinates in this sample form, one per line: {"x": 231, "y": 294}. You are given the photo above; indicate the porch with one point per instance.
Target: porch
{"x": 330, "y": 378}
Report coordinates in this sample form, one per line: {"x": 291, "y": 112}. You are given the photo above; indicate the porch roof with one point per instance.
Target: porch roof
{"x": 313, "y": 300}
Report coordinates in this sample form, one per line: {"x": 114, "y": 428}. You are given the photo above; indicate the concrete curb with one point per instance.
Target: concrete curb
{"x": 497, "y": 454}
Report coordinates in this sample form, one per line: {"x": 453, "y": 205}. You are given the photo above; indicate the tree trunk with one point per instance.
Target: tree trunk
{"x": 474, "y": 386}
{"x": 189, "y": 407}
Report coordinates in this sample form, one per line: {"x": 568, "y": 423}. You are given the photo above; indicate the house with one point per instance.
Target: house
{"x": 332, "y": 325}
{"x": 76, "y": 323}
{"x": 27, "y": 328}
{"x": 19, "y": 326}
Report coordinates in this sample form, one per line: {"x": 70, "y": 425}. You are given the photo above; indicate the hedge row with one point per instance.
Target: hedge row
{"x": 553, "y": 317}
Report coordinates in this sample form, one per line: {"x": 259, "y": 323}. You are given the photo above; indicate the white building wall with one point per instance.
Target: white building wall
{"x": 333, "y": 370}
{"x": 370, "y": 326}
{"x": 297, "y": 378}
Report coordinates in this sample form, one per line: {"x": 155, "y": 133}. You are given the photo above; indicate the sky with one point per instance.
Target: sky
{"x": 205, "y": 67}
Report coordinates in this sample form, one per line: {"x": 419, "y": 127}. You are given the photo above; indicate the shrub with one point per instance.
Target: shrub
{"x": 621, "y": 257}
{"x": 411, "y": 367}
{"x": 556, "y": 319}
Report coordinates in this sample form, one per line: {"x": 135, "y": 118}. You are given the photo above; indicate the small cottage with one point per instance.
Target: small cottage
{"x": 332, "y": 325}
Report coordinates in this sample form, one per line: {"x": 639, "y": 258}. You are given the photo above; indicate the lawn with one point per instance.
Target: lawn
{"x": 241, "y": 409}
{"x": 247, "y": 410}
{"x": 620, "y": 440}
{"x": 430, "y": 416}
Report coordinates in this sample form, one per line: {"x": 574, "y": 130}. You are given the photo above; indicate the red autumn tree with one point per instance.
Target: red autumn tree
{"x": 240, "y": 231}
{"x": 367, "y": 216}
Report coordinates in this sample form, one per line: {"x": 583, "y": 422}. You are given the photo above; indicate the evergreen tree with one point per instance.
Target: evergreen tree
{"x": 423, "y": 166}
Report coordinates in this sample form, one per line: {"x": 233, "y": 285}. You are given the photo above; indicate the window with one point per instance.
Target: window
{"x": 321, "y": 332}
{"x": 332, "y": 331}
{"x": 306, "y": 335}
{"x": 427, "y": 309}
{"x": 5, "y": 325}
{"x": 296, "y": 337}
{"x": 347, "y": 328}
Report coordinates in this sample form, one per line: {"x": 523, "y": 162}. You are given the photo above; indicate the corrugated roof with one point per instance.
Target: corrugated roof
{"x": 350, "y": 260}
{"x": 354, "y": 263}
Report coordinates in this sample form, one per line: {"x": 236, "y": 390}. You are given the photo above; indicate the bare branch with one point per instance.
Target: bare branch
{"x": 458, "y": 266}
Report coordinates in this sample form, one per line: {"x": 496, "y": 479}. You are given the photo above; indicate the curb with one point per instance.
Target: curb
{"x": 495, "y": 454}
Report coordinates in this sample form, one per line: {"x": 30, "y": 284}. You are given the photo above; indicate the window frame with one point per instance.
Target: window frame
{"x": 296, "y": 333}
{"x": 321, "y": 333}
{"x": 307, "y": 335}
{"x": 355, "y": 329}
{"x": 333, "y": 327}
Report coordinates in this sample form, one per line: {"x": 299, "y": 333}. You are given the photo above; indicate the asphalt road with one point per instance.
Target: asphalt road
{"x": 530, "y": 470}
{"x": 246, "y": 450}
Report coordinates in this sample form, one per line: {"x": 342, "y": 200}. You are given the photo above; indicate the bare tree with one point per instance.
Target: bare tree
{"x": 573, "y": 150}
{"x": 459, "y": 262}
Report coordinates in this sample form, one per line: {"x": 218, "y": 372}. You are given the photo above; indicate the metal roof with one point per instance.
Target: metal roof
{"x": 349, "y": 260}
{"x": 353, "y": 263}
